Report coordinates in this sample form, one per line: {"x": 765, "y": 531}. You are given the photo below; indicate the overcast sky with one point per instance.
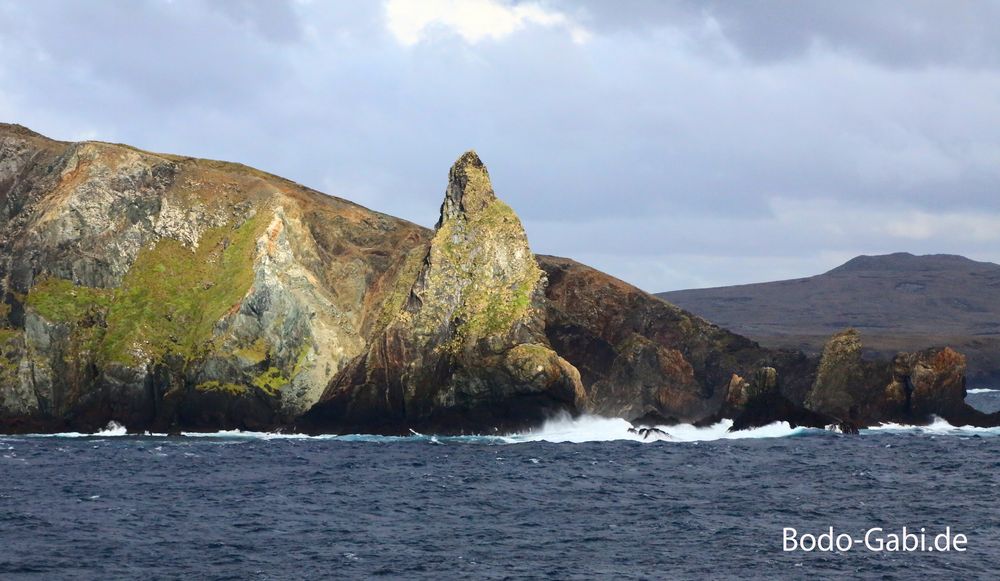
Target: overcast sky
{"x": 673, "y": 144}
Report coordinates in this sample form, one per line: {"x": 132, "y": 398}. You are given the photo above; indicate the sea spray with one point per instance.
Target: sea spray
{"x": 600, "y": 429}
{"x": 561, "y": 429}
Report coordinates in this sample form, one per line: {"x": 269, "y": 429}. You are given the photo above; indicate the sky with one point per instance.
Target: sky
{"x": 674, "y": 144}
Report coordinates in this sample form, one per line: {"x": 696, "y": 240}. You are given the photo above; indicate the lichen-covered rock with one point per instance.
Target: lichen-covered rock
{"x": 740, "y": 391}
{"x": 931, "y": 383}
{"x": 843, "y": 387}
{"x": 466, "y": 349}
{"x": 912, "y": 388}
{"x": 760, "y": 401}
{"x": 737, "y": 393}
{"x": 17, "y": 394}
{"x": 166, "y": 292}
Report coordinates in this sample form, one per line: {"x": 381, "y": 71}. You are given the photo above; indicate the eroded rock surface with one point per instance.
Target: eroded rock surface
{"x": 911, "y": 388}
{"x": 170, "y": 293}
{"x": 167, "y": 292}
{"x": 644, "y": 359}
{"x": 466, "y": 349}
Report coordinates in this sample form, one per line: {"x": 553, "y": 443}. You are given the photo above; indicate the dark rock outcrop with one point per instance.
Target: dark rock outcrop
{"x": 846, "y": 387}
{"x": 646, "y": 360}
{"x": 912, "y": 388}
{"x": 760, "y": 401}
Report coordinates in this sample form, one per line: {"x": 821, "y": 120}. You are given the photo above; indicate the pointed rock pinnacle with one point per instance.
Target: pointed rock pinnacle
{"x": 469, "y": 188}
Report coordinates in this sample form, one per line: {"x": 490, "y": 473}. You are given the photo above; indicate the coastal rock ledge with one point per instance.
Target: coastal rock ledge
{"x": 169, "y": 294}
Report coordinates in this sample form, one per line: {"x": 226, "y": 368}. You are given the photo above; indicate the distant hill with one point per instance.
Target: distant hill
{"x": 898, "y": 302}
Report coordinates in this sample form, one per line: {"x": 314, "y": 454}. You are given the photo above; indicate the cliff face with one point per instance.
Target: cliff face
{"x": 163, "y": 291}
{"x": 174, "y": 293}
{"x": 640, "y": 357}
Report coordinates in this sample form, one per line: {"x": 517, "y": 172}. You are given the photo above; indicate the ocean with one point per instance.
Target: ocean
{"x": 577, "y": 499}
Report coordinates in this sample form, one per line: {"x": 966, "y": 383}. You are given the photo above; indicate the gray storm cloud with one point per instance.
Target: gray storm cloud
{"x": 673, "y": 144}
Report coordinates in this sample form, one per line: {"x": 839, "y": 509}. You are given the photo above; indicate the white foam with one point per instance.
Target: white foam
{"x": 248, "y": 435}
{"x": 600, "y": 429}
{"x": 112, "y": 430}
{"x": 413, "y": 437}
{"x": 565, "y": 429}
{"x": 980, "y": 390}
{"x": 560, "y": 429}
{"x": 938, "y": 427}
{"x": 578, "y": 430}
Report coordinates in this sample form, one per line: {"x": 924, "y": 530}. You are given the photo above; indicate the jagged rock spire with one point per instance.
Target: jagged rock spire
{"x": 469, "y": 188}
{"x": 470, "y": 341}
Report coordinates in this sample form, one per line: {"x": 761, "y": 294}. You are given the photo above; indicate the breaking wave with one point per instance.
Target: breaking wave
{"x": 938, "y": 427}
{"x": 113, "y": 429}
{"x": 565, "y": 429}
{"x": 599, "y": 429}
{"x": 980, "y": 390}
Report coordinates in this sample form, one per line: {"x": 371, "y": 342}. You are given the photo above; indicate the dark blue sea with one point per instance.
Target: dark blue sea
{"x": 567, "y": 502}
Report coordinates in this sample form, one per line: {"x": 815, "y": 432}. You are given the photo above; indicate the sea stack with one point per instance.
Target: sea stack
{"x": 464, "y": 345}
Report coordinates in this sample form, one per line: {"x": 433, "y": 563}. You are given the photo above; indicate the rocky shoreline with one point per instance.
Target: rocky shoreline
{"x": 169, "y": 293}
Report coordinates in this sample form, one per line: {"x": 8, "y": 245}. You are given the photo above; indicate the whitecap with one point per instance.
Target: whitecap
{"x": 564, "y": 429}
{"x": 938, "y": 427}
{"x": 602, "y": 429}
{"x": 113, "y": 429}
{"x": 250, "y": 435}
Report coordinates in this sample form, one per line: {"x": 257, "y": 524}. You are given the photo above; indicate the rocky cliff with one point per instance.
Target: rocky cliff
{"x": 164, "y": 292}
{"x": 464, "y": 342}
{"x": 170, "y": 293}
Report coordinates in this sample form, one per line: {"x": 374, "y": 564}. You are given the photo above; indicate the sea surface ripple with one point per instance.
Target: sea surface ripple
{"x": 553, "y": 504}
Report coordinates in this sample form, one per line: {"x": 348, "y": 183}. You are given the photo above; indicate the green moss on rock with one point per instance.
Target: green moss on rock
{"x": 301, "y": 359}
{"x": 218, "y": 386}
{"x": 8, "y": 335}
{"x": 527, "y": 361}
{"x": 169, "y": 301}
{"x": 173, "y": 296}
{"x": 11, "y": 349}
{"x": 394, "y": 302}
{"x": 271, "y": 381}
{"x": 839, "y": 375}
{"x": 254, "y": 353}
{"x": 482, "y": 270}
{"x": 61, "y": 301}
